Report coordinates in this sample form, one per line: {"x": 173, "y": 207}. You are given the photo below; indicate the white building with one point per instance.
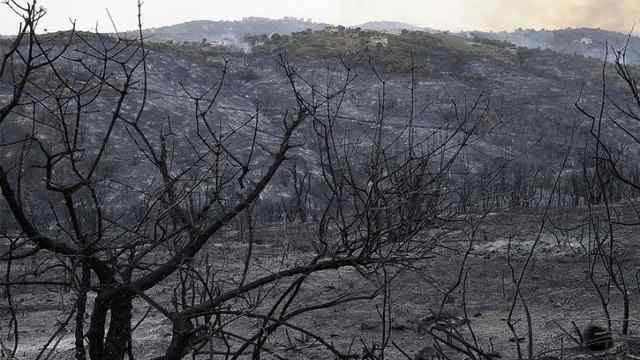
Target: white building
{"x": 379, "y": 40}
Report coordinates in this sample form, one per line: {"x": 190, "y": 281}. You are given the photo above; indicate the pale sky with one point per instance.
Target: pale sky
{"x": 619, "y": 15}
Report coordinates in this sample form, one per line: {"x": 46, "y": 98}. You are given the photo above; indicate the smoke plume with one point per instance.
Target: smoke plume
{"x": 619, "y": 15}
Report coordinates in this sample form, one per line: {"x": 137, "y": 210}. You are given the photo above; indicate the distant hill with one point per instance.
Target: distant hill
{"x": 574, "y": 41}
{"x": 391, "y": 26}
{"x": 234, "y": 31}
{"x": 230, "y": 30}
{"x": 581, "y": 41}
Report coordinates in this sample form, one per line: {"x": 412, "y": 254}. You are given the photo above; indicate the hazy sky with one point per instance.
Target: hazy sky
{"x": 440, "y": 14}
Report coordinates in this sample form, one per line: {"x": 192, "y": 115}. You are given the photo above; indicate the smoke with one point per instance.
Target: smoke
{"x": 618, "y": 15}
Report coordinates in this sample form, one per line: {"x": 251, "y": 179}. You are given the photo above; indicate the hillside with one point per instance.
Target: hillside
{"x": 587, "y": 42}
{"x": 531, "y": 93}
{"x": 573, "y": 41}
{"x": 235, "y": 30}
{"x": 230, "y": 30}
{"x": 390, "y": 26}
{"x": 581, "y": 41}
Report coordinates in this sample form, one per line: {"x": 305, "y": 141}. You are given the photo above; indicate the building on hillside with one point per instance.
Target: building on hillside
{"x": 379, "y": 40}
{"x": 331, "y": 28}
{"x": 215, "y": 43}
{"x": 585, "y": 41}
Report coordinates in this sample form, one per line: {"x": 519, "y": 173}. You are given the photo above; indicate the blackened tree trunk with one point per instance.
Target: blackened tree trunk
{"x": 114, "y": 346}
